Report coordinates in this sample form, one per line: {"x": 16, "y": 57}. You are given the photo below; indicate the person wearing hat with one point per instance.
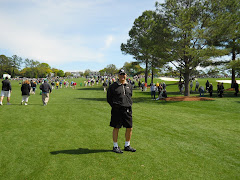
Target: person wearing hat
{"x": 119, "y": 96}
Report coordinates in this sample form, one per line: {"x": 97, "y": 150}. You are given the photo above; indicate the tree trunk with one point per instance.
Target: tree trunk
{"x": 13, "y": 73}
{"x": 146, "y": 71}
{"x": 152, "y": 75}
{"x": 186, "y": 83}
{"x": 233, "y": 70}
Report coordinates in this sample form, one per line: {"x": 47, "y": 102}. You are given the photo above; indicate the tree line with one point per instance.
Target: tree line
{"x": 16, "y": 66}
{"x": 187, "y": 34}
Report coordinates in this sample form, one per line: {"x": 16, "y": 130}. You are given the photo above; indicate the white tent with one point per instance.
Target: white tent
{"x": 6, "y": 75}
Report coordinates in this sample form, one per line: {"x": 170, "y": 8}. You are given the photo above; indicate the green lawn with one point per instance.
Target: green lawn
{"x": 70, "y": 138}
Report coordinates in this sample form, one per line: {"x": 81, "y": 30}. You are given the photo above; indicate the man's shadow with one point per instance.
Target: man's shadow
{"x": 79, "y": 151}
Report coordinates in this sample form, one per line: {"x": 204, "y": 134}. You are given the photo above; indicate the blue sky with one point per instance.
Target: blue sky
{"x": 72, "y": 35}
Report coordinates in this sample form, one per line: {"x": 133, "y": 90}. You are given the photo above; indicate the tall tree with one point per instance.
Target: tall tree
{"x": 61, "y": 73}
{"x": 225, "y": 32}
{"x": 86, "y": 72}
{"x": 16, "y": 63}
{"x": 4, "y": 65}
{"x": 133, "y": 68}
{"x": 43, "y": 70}
{"x": 189, "y": 21}
{"x": 111, "y": 69}
{"x": 147, "y": 41}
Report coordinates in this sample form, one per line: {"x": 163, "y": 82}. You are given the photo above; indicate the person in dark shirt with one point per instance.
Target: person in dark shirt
{"x": 46, "y": 89}
{"x": 26, "y": 88}
{"x": 236, "y": 87}
{"x": 220, "y": 89}
{"x": 6, "y": 91}
{"x": 33, "y": 86}
{"x": 207, "y": 86}
{"x": 210, "y": 89}
{"x": 104, "y": 86}
{"x": 119, "y": 96}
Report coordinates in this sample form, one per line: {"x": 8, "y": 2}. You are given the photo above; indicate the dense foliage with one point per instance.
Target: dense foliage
{"x": 15, "y": 66}
{"x": 188, "y": 34}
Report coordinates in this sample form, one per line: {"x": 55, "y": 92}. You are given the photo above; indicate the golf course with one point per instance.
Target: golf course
{"x": 70, "y": 138}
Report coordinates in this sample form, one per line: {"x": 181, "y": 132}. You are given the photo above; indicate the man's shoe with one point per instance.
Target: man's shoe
{"x": 129, "y": 148}
{"x": 117, "y": 150}
{"x": 8, "y": 103}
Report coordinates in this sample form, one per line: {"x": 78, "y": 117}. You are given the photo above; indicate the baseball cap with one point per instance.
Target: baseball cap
{"x": 121, "y": 71}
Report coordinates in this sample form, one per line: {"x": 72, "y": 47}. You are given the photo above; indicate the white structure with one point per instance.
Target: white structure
{"x": 76, "y": 74}
{"x": 94, "y": 73}
{"x": 6, "y": 75}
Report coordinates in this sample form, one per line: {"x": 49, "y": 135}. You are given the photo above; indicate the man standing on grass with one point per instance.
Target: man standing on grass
{"x": 6, "y": 91}
{"x": 119, "y": 96}
{"x": 46, "y": 88}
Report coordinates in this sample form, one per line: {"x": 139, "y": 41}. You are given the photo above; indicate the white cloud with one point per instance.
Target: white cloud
{"x": 108, "y": 42}
{"x": 67, "y": 31}
{"x": 31, "y": 42}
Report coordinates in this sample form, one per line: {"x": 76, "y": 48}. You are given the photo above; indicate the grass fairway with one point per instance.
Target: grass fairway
{"x": 70, "y": 138}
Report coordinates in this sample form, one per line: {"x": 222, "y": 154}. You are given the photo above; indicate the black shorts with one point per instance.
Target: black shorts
{"x": 121, "y": 116}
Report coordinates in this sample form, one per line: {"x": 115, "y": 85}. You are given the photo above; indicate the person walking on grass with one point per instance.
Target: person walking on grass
{"x": 33, "y": 85}
{"x": 46, "y": 89}
{"x": 104, "y": 86}
{"x": 119, "y": 96}
{"x": 26, "y": 88}
{"x": 6, "y": 91}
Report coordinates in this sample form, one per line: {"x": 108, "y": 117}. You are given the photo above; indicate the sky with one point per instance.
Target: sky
{"x": 71, "y": 35}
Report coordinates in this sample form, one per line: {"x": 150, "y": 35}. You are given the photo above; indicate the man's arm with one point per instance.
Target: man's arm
{"x": 10, "y": 87}
{"x": 109, "y": 96}
{"x": 50, "y": 89}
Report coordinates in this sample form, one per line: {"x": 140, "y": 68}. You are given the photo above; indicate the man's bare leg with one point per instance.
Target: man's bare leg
{"x": 115, "y": 134}
{"x": 128, "y": 134}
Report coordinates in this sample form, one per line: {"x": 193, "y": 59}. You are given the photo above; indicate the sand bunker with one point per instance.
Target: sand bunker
{"x": 186, "y": 98}
{"x": 168, "y": 79}
{"x": 227, "y": 81}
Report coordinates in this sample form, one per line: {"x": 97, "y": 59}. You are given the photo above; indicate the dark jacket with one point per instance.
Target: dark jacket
{"x": 25, "y": 89}
{"x": 46, "y": 88}
{"x": 33, "y": 85}
{"x": 6, "y": 85}
{"x": 104, "y": 84}
{"x": 210, "y": 89}
{"x": 119, "y": 95}
{"x": 236, "y": 87}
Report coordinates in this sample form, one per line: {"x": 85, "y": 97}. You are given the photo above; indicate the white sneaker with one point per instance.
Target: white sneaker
{"x": 1, "y": 104}
{"x": 8, "y": 103}
{"x": 25, "y": 104}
